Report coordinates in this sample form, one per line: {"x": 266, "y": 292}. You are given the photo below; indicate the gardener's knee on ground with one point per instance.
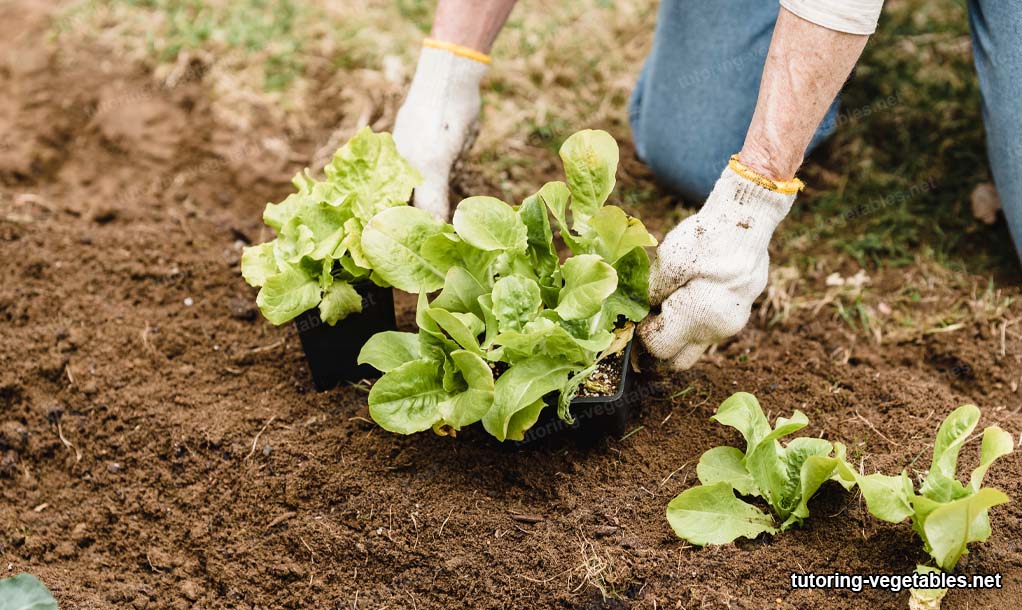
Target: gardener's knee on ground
{"x": 692, "y": 176}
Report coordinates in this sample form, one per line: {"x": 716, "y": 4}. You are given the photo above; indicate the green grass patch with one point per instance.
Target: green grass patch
{"x": 895, "y": 179}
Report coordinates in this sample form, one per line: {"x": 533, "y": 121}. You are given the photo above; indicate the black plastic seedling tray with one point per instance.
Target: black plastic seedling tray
{"x": 332, "y": 351}
{"x": 596, "y": 417}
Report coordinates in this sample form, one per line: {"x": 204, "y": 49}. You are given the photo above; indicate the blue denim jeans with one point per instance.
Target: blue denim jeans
{"x": 697, "y": 91}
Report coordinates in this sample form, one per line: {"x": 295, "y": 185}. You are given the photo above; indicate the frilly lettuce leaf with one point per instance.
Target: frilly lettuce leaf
{"x": 392, "y": 242}
{"x": 258, "y": 264}
{"x": 339, "y": 301}
{"x": 370, "y": 175}
{"x": 288, "y": 294}
{"x": 320, "y": 227}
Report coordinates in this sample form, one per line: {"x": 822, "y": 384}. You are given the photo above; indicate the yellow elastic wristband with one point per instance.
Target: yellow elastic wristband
{"x": 788, "y": 187}
{"x": 457, "y": 49}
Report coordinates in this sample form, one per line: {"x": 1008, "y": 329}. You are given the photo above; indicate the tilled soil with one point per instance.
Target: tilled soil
{"x": 161, "y": 445}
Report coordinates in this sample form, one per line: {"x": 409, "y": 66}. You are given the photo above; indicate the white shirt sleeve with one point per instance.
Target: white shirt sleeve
{"x": 849, "y": 16}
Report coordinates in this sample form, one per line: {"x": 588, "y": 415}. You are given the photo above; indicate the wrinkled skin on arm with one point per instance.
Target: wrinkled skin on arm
{"x": 805, "y": 68}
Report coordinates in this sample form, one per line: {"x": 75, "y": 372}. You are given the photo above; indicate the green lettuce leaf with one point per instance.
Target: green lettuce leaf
{"x": 540, "y": 337}
{"x": 407, "y": 399}
{"x": 742, "y": 412}
{"x": 524, "y": 419}
{"x": 541, "y": 252}
{"x": 390, "y": 349}
{"x": 516, "y": 302}
{"x": 447, "y": 251}
{"x": 612, "y": 234}
{"x": 519, "y": 388}
{"x": 317, "y": 230}
{"x": 887, "y": 498}
{"x": 490, "y": 224}
{"x": 797, "y": 454}
{"x": 461, "y": 293}
{"x": 392, "y": 242}
{"x": 464, "y": 329}
{"x": 590, "y": 160}
{"x": 258, "y": 264}
{"x": 287, "y": 294}
{"x": 726, "y": 464}
{"x": 588, "y": 282}
{"x": 996, "y": 443}
{"x": 711, "y": 514}
{"x": 339, "y": 301}
{"x": 949, "y": 527}
{"x": 371, "y": 175}
{"x": 631, "y": 298}
{"x": 25, "y": 592}
{"x": 940, "y": 484}
{"x": 469, "y": 406}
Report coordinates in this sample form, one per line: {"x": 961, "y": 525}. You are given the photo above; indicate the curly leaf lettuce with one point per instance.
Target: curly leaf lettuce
{"x": 318, "y": 252}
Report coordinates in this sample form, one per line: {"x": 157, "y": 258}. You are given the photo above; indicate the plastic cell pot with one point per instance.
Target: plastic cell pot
{"x": 596, "y": 417}
{"x": 332, "y": 351}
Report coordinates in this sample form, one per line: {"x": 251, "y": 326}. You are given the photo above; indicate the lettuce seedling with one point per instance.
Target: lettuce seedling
{"x": 25, "y": 592}
{"x": 946, "y": 514}
{"x": 318, "y": 254}
{"x": 785, "y": 476}
{"x": 511, "y": 324}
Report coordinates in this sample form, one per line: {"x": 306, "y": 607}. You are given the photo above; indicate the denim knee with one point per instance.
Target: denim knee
{"x": 687, "y": 149}
{"x": 697, "y": 91}
{"x": 998, "y": 57}
{"x": 690, "y": 175}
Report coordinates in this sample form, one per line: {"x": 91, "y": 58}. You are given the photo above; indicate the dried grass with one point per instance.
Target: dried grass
{"x": 552, "y": 74}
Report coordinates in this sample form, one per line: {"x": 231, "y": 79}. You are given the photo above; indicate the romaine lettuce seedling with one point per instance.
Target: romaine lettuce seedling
{"x": 317, "y": 254}
{"x": 785, "y": 476}
{"x": 946, "y": 514}
{"x": 512, "y": 323}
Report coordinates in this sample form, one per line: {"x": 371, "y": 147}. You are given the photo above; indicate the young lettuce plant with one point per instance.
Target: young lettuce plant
{"x": 512, "y": 324}
{"x": 317, "y": 254}
{"x": 946, "y": 514}
{"x": 784, "y": 476}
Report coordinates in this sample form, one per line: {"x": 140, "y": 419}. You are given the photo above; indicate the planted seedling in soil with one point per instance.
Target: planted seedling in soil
{"x": 317, "y": 259}
{"x": 785, "y": 477}
{"x": 946, "y": 514}
{"x": 513, "y": 328}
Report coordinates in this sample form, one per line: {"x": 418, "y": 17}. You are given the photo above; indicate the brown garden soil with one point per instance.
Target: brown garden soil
{"x": 161, "y": 445}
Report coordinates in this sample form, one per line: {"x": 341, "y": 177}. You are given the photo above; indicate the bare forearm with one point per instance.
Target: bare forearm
{"x": 805, "y": 68}
{"x": 471, "y": 23}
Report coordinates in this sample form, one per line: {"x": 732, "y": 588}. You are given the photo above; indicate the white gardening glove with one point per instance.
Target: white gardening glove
{"x": 711, "y": 267}
{"x": 437, "y": 121}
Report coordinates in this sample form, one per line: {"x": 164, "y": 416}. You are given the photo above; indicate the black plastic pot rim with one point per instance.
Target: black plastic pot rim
{"x": 625, "y": 363}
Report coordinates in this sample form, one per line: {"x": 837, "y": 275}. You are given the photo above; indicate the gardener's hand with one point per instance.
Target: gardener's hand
{"x": 713, "y": 265}
{"x": 437, "y": 121}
